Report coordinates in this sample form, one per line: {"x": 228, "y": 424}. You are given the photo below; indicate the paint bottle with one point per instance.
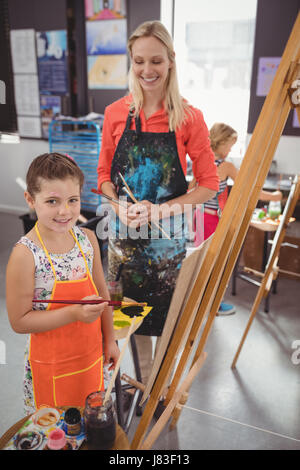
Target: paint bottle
{"x": 100, "y": 422}
{"x": 72, "y": 421}
{"x": 57, "y": 441}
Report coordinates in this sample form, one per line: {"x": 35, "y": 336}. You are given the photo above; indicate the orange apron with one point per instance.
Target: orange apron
{"x": 66, "y": 363}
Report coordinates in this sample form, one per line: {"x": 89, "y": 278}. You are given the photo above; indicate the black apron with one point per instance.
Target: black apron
{"x": 150, "y": 165}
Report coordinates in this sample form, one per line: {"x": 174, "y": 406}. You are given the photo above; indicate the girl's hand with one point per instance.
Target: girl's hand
{"x": 89, "y": 313}
{"x": 111, "y": 354}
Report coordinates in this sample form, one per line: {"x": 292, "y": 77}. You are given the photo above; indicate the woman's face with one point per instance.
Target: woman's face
{"x": 150, "y": 64}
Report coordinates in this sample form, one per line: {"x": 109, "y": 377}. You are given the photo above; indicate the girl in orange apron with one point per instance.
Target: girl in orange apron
{"x": 66, "y": 363}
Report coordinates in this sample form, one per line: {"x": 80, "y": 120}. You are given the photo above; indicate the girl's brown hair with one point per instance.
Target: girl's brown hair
{"x": 51, "y": 166}
{"x": 221, "y": 133}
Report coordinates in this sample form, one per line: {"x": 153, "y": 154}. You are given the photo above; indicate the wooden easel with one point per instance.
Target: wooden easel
{"x": 272, "y": 269}
{"x": 205, "y": 297}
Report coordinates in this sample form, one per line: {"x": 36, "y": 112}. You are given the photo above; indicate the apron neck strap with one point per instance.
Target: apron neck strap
{"x": 47, "y": 253}
{"x": 137, "y": 123}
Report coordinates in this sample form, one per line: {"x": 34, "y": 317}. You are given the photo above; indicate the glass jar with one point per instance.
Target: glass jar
{"x": 99, "y": 421}
{"x": 274, "y": 209}
{"x": 115, "y": 289}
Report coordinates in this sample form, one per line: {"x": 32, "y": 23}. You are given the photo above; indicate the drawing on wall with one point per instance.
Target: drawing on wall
{"x": 104, "y": 9}
{"x": 107, "y": 71}
{"x": 107, "y": 53}
{"x": 106, "y": 37}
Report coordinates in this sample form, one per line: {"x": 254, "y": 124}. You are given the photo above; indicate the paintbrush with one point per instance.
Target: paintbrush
{"x": 109, "y": 198}
{"x": 114, "y": 303}
{"x": 131, "y": 195}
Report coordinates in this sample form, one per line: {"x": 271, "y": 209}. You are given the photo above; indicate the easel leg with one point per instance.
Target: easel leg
{"x": 137, "y": 370}
{"x": 256, "y": 304}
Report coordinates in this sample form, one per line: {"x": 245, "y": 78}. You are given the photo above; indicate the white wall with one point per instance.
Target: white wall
{"x": 287, "y": 155}
{"x": 14, "y": 161}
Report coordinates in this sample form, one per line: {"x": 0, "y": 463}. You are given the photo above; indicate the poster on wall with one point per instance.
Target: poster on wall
{"x": 50, "y": 108}
{"x": 106, "y": 39}
{"x": 267, "y": 68}
{"x": 52, "y": 61}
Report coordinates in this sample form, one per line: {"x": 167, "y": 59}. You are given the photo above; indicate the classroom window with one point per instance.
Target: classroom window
{"x": 214, "y": 47}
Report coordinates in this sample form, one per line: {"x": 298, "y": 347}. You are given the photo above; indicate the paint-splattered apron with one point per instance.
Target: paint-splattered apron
{"x": 150, "y": 164}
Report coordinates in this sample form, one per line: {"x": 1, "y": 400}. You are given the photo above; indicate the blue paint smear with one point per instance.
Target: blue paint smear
{"x": 145, "y": 180}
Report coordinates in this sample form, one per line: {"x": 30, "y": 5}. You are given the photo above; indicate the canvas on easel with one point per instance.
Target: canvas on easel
{"x": 217, "y": 266}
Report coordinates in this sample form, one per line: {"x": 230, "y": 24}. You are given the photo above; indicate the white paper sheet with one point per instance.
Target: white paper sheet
{"x": 23, "y": 50}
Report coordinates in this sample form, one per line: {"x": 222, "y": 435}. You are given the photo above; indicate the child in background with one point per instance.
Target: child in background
{"x": 58, "y": 260}
{"x": 222, "y": 138}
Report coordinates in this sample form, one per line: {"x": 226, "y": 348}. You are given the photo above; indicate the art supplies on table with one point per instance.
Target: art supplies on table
{"x": 38, "y": 432}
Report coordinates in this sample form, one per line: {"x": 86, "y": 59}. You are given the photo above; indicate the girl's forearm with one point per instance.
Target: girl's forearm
{"x": 39, "y": 321}
{"x": 107, "y": 325}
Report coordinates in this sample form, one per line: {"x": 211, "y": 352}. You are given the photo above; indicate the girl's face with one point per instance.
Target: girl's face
{"x": 224, "y": 149}
{"x": 57, "y": 204}
{"x": 150, "y": 64}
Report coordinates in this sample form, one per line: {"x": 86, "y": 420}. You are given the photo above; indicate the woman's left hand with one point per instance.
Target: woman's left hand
{"x": 144, "y": 211}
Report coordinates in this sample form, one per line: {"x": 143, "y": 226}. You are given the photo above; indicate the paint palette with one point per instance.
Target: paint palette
{"x": 33, "y": 435}
{"x": 124, "y": 316}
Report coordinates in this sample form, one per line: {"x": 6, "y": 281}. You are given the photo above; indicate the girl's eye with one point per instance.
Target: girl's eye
{"x": 51, "y": 201}
{"x": 74, "y": 200}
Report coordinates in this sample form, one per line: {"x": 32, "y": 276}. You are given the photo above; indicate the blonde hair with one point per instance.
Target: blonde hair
{"x": 221, "y": 133}
{"x": 174, "y": 104}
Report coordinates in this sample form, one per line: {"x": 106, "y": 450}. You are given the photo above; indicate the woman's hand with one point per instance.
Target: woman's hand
{"x": 143, "y": 212}
{"x": 89, "y": 313}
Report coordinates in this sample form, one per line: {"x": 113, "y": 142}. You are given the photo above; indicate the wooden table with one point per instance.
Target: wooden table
{"x": 121, "y": 442}
{"x": 267, "y": 227}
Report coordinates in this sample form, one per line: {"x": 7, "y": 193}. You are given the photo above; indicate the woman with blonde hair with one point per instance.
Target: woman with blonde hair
{"x": 222, "y": 138}
{"x": 145, "y": 139}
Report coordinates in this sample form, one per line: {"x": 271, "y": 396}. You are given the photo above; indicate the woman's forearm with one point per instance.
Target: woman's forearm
{"x": 183, "y": 203}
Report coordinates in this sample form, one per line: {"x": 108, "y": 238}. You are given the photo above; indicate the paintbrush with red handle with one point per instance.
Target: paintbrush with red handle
{"x": 113, "y": 303}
